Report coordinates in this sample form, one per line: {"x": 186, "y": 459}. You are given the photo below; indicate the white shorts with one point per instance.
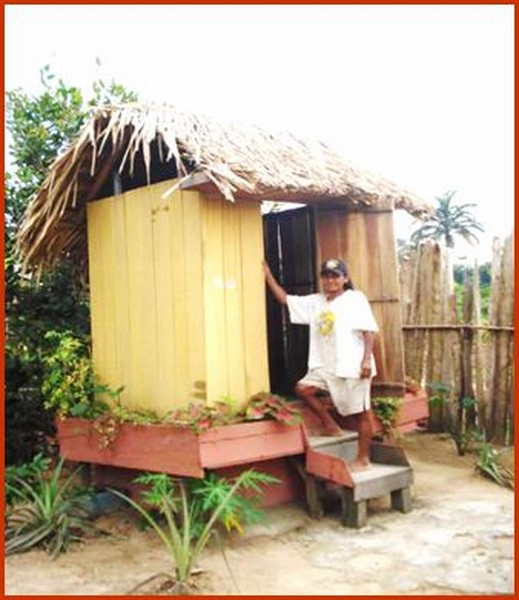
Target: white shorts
{"x": 349, "y": 395}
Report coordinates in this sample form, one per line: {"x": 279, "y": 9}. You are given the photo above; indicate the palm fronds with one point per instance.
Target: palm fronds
{"x": 448, "y": 221}
{"x": 239, "y": 161}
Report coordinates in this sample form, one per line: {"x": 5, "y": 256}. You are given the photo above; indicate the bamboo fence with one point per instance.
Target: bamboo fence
{"x": 466, "y": 363}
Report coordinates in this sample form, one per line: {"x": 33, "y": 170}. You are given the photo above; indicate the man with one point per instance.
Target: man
{"x": 340, "y": 358}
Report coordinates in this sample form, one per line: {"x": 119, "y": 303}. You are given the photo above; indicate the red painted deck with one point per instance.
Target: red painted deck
{"x": 179, "y": 451}
{"x": 264, "y": 445}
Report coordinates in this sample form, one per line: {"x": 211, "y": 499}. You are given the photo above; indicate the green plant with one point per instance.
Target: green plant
{"x": 447, "y": 221}
{"x": 189, "y": 511}
{"x": 51, "y": 512}
{"x": 70, "y": 386}
{"x": 488, "y": 465}
{"x": 438, "y": 392}
{"x": 200, "y": 416}
{"x": 28, "y": 472}
{"x": 386, "y": 409}
{"x": 39, "y": 125}
{"x": 265, "y": 405}
{"x": 459, "y": 419}
{"x": 108, "y": 424}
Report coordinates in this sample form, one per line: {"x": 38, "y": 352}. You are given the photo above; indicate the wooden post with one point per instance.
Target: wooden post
{"x": 500, "y": 390}
{"x": 354, "y": 514}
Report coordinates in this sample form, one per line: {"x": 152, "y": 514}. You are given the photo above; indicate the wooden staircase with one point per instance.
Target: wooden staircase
{"x": 327, "y": 470}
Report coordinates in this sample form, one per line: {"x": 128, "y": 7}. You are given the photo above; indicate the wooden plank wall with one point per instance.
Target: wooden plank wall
{"x": 234, "y": 299}
{"x": 365, "y": 240}
{"x": 177, "y": 297}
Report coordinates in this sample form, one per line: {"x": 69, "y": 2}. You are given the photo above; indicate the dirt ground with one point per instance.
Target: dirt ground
{"x": 458, "y": 539}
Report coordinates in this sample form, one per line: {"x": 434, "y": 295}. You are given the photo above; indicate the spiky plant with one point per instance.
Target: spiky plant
{"x": 189, "y": 510}
{"x": 51, "y": 512}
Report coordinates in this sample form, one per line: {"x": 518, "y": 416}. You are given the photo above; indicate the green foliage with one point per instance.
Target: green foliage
{"x": 69, "y": 386}
{"x": 39, "y": 127}
{"x": 189, "y": 510}
{"x": 386, "y": 408}
{"x": 488, "y": 465}
{"x": 459, "y": 419}
{"x": 108, "y": 424}
{"x": 438, "y": 392}
{"x": 32, "y": 309}
{"x": 461, "y": 272}
{"x": 200, "y": 416}
{"x": 448, "y": 221}
{"x": 49, "y": 511}
{"x": 29, "y": 472}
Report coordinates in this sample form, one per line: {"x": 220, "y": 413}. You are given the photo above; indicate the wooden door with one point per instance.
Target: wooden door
{"x": 365, "y": 240}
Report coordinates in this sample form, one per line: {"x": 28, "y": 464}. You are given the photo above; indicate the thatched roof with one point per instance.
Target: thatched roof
{"x": 148, "y": 144}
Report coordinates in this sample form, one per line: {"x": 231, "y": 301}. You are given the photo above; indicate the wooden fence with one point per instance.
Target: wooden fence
{"x": 464, "y": 362}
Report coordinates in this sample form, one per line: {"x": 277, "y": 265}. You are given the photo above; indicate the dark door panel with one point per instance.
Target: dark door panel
{"x": 290, "y": 251}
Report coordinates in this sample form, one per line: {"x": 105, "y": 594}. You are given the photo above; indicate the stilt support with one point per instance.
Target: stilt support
{"x": 401, "y": 500}
{"x": 354, "y": 514}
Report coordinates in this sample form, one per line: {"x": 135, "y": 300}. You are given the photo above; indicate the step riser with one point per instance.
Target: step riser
{"x": 346, "y": 451}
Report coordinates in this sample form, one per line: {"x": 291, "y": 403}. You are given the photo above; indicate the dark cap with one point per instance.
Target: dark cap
{"x": 334, "y": 265}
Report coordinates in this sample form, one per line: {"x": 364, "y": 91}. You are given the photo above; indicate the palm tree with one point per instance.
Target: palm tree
{"x": 449, "y": 220}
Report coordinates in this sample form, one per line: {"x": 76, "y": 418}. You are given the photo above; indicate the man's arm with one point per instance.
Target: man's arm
{"x": 365, "y": 365}
{"x": 277, "y": 290}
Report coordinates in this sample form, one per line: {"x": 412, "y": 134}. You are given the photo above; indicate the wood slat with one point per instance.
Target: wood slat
{"x": 191, "y": 256}
{"x": 253, "y": 306}
{"x": 365, "y": 240}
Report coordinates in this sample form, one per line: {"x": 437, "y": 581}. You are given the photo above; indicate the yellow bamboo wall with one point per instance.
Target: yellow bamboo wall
{"x": 177, "y": 297}
{"x": 365, "y": 240}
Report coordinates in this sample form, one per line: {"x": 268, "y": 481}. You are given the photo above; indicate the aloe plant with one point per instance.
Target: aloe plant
{"x": 28, "y": 471}
{"x": 51, "y": 512}
{"x": 189, "y": 511}
{"x": 488, "y": 465}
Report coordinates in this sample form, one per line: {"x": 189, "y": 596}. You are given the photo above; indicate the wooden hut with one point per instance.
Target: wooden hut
{"x": 162, "y": 209}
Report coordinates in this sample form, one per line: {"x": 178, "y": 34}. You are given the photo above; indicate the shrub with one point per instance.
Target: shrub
{"x": 386, "y": 409}
{"x": 70, "y": 386}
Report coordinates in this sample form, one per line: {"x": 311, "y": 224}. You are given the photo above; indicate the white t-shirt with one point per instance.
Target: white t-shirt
{"x": 336, "y": 342}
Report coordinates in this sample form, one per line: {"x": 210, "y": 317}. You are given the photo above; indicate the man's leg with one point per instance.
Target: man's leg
{"x": 309, "y": 395}
{"x": 365, "y": 432}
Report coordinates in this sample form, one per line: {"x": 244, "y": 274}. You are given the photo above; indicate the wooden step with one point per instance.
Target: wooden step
{"x": 327, "y": 441}
{"x": 380, "y": 479}
{"x": 328, "y": 459}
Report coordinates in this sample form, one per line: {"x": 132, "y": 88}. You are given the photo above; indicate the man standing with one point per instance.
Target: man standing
{"x": 340, "y": 358}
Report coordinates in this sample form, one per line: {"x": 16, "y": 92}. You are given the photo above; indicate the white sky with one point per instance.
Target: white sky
{"x": 422, "y": 95}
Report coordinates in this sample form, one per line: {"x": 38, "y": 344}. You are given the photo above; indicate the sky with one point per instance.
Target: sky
{"x": 422, "y": 95}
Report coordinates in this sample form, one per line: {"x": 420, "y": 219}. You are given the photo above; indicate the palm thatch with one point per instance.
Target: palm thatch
{"x": 145, "y": 144}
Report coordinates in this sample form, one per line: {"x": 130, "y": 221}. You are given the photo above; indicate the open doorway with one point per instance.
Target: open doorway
{"x": 289, "y": 239}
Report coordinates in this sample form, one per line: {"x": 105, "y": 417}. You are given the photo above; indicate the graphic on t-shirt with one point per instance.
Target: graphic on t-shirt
{"x": 325, "y": 322}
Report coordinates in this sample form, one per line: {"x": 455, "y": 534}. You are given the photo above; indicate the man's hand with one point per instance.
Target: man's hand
{"x": 277, "y": 290}
{"x": 365, "y": 368}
